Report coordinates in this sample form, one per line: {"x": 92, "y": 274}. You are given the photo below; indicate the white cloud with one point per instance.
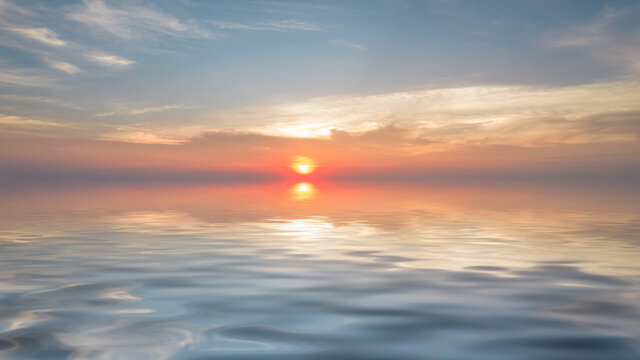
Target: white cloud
{"x": 349, "y": 44}
{"x": 43, "y": 35}
{"x": 63, "y": 66}
{"x": 133, "y": 22}
{"x": 274, "y": 25}
{"x": 110, "y": 60}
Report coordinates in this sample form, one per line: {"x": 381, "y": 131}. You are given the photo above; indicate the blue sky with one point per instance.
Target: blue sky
{"x": 447, "y": 72}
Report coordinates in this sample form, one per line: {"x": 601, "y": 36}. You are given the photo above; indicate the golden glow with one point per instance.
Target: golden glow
{"x": 303, "y": 191}
{"x": 303, "y": 165}
{"x": 303, "y": 169}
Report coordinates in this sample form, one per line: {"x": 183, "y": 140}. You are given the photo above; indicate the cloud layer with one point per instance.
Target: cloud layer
{"x": 202, "y": 85}
{"x": 524, "y": 115}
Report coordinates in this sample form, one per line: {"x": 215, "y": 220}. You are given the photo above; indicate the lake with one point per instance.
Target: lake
{"x": 320, "y": 270}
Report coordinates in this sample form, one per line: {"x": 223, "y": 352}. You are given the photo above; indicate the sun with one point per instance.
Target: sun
{"x": 303, "y": 165}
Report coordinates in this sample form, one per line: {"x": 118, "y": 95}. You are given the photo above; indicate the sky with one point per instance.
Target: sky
{"x": 373, "y": 88}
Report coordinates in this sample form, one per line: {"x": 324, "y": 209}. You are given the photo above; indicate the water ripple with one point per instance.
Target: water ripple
{"x": 168, "y": 286}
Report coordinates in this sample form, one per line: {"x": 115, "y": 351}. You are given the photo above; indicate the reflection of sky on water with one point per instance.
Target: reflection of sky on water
{"x": 253, "y": 272}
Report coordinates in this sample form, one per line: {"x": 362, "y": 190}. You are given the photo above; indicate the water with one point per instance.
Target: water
{"x": 319, "y": 271}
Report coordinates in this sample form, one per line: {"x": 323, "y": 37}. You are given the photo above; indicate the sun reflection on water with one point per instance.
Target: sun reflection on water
{"x": 303, "y": 191}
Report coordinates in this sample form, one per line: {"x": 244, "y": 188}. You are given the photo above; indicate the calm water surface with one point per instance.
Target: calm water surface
{"x": 319, "y": 271}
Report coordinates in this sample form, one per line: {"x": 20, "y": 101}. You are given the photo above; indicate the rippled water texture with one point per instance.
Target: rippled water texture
{"x": 319, "y": 271}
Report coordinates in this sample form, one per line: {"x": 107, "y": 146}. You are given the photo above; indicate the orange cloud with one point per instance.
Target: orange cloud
{"x": 389, "y": 151}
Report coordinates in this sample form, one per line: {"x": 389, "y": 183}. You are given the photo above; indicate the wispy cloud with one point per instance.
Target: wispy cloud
{"x": 20, "y": 78}
{"x": 154, "y": 109}
{"x": 109, "y": 60}
{"x": 24, "y": 121}
{"x": 108, "y": 113}
{"x": 39, "y": 99}
{"x": 7, "y": 6}
{"x": 43, "y": 35}
{"x": 142, "y": 135}
{"x": 349, "y": 44}
{"x": 142, "y": 111}
{"x": 272, "y": 25}
{"x": 614, "y": 37}
{"x": 55, "y": 46}
{"x": 62, "y": 66}
{"x": 129, "y": 21}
